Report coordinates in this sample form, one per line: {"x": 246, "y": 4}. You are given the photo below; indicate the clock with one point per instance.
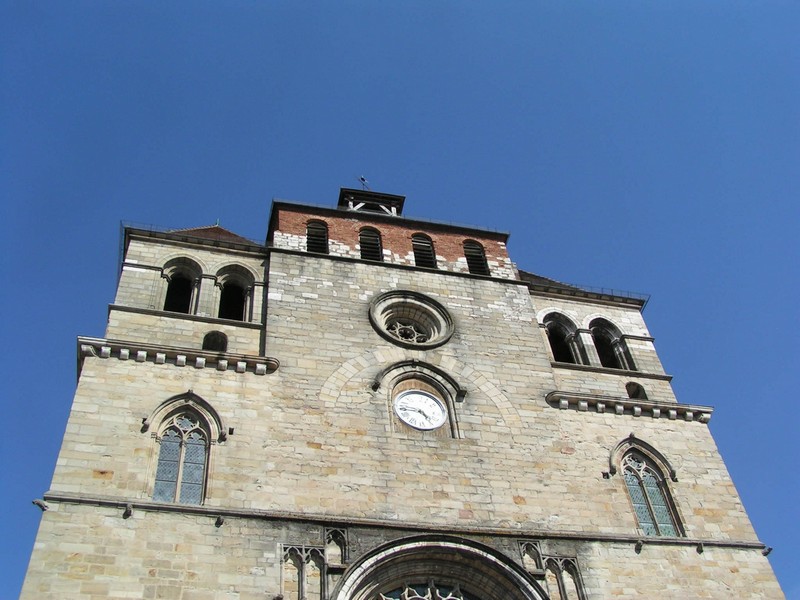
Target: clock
{"x": 420, "y": 410}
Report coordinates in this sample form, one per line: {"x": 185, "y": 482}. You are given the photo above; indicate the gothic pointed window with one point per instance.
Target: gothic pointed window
{"x": 182, "y": 460}
{"x": 317, "y": 237}
{"x": 370, "y": 242}
{"x": 649, "y": 496}
{"x": 424, "y": 256}
{"x": 476, "y": 258}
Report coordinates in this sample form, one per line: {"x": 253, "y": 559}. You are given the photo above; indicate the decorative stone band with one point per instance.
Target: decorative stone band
{"x": 628, "y": 406}
{"x": 213, "y": 512}
{"x": 178, "y": 357}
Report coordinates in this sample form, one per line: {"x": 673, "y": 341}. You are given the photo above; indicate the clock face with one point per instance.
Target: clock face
{"x": 420, "y": 410}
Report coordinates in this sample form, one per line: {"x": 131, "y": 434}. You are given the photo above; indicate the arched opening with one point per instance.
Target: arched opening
{"x": 183, "y": 280}
{"x": 424, "y": 566}
{"x": 476, "y": 258}
{"x": 317, "y": 237}
{"x": 232, "y": 302}
{"x": 635, "y": 391}
{"x": 216, "y": 341}
{"x": 236, "y": 285}
{"x": 179, "y": 294}
{"x": 564, "y": 340}
{"x": 370, "y": 242}
{"x": 424, "y": 255}
{"x": 611, "y": 348}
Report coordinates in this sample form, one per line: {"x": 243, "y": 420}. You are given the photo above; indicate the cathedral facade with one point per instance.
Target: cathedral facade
{"x": 373, "y": 407}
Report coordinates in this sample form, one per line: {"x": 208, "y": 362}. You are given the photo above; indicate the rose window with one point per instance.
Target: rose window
{"x": 410, "y": 319}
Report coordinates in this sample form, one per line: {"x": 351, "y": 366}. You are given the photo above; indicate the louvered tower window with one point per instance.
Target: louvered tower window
{"x": 370, "y": 241}
{"x": 649, "y": 496}
{"x": 476, "y": 258}
{"x": 317, "y": 237}
{"x": 424, "y": 256}
{"x": 182, "y": 458}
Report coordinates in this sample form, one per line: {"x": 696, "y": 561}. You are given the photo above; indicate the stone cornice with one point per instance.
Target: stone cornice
{"x": 628, "y": 406}
{"x": 213, "y": 512}
{"x": 173, "y": 356}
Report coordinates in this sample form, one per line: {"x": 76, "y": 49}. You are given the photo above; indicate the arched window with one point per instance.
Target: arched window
{"x": 215, "y": 341}
{"x": 564, "y": 340}
{"x": 236, "y": 285}
{"x": 635, "y": 391}
{"x": 231, "y": 302}
{"x": 182, "y": 459}
{"x": 611, "y": 348}
{"x": 476, "y": 258}
{"x": 424, "y": 256}
{"x": 179, "y": 294}
{"x": 370, "y": 241}
{"x": 317, "y": 237}
{"x": 183, "y": 276}
{"x": 648, "y": 492}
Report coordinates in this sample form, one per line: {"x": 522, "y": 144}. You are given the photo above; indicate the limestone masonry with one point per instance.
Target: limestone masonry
{"x": 373, "y": 407}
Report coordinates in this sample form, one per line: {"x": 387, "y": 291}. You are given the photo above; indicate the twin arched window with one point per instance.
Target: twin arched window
{"x": 182, "y": 459}
{"x": 184, "y": 276}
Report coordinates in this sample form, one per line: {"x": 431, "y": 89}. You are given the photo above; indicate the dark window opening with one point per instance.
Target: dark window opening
{"x": 216, "y": 341}
{"x": 424, "y": 256}
{"x": 636, "y": 391}
{"x": 370, "y": 242}
{"x": 604, "y": 343}
{"x": 476, "y": 258}
{"x": 557, "y": 335}
{"x": 231, "y": 302}
{"x": 317, "y": 237}
{"x": 179, "y": 294}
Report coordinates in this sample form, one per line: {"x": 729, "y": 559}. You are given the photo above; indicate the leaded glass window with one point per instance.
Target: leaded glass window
{"x": 648, "y": 496}
{"x": 182, "y": 459}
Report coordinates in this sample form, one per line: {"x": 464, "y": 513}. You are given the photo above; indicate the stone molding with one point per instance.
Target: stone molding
{"x": 628, "y": 406}
{"x": 422, "y": 527}
{"x": 185, "y": 316}
{"x": 625, "y": 372}
{"x": 177, "y": 357}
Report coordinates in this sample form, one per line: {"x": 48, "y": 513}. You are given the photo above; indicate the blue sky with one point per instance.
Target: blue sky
{"x": 641, "y": 146}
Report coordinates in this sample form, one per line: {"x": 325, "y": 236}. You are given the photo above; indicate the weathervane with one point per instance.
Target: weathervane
{"x": 364, "y": 183}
